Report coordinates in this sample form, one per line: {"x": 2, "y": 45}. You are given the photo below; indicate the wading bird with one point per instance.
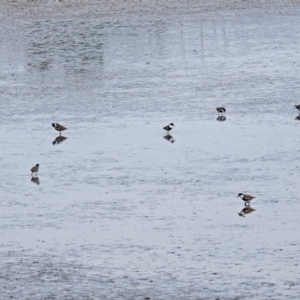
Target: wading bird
{"x": 35, "y": 169}
{"x": 169, "y": 127}
{"x": 221, "y": 110}
{"x": 246, "y": 198}
{"x": 59, "y": 127}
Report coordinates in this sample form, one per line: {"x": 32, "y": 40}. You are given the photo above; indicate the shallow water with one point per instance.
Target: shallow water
{"x": 120, "y": 212}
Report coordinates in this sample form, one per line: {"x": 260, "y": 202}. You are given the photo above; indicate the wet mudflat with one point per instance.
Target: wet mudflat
{"x": 119, "y": 211}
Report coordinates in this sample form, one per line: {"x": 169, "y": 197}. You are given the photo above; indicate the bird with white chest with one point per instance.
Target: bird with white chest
{"x": 246, "y": 198}
{"x": 169, "y": 127}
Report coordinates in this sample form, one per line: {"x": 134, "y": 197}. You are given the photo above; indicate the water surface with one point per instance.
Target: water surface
{"x": 120, "y": 212}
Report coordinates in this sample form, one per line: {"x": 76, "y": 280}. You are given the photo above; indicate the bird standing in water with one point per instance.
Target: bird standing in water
{"x": 35, "y": 169}
{"x": 246, "y": 198}
{"x": 59, "y": 127}
{"x": 221, "y": 110}
{"x": 169, "y": 127}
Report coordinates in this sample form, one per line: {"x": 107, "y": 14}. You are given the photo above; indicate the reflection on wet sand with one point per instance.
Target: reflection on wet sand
{"x": 221, "y": 118}
{"x": 59, "y": 140}
{"x": 246, "y": 210}
{"x": 169, "y": 138}
{"x": 297, "y": 118}
{"x": 35, "y": 180}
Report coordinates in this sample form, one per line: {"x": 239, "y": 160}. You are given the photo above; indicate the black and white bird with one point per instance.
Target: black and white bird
{"x": 35, "y": 169}
{"x": 59, "y": 127}
{"x": 246, "y": 198}
{"x": 169, "y": 127}
{"x": 221, "y": 110}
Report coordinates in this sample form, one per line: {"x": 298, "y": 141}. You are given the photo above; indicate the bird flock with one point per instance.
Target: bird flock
{"x": 59, "y": 139}
{"x": 221, "y": 111}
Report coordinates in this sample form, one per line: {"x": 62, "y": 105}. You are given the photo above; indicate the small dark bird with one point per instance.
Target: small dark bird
{"x": 246, "y": 210}
{"x": 298, "y": 107}
{"x": 169, "y": 127}
{"x": 59, "y": 127}
{"x": 246, "y": 198}
{"x": 35, "y": 169}
{"x": 221, "y": 110}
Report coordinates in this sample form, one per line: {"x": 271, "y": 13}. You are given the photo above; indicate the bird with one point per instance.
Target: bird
{"x": 246, "y": 198}
{"x": 246, "y": 210}
{"x": 298, "y": 107}
{"x": 169, "y": 127}
{"x": 221, "y": 110}
{"x": 35, "y": 169}
{"x": 59, "y": 127}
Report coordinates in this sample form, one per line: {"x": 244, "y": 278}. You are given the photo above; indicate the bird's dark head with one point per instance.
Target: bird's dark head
{"x": 53, "y": 125}
{"x": 37, "y": 165}
{"x": 171, "y": 124}
{"x": 240, "y": 195}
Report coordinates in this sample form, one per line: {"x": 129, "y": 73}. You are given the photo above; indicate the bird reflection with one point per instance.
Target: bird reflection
{"x": 169, "y": 138}
{"x": 221, "y": 118}
{"x": 246, "y": 210}
{"x": 297, "y": 118}
{"x": 59, "y": 140}
{"x": 35, "y": 180}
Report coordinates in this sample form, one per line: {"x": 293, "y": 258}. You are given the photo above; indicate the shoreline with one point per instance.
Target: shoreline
{"x": 43, "y": 10}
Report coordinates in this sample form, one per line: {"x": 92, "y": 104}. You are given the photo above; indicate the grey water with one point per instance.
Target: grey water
{"x": 119, "y": 210}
